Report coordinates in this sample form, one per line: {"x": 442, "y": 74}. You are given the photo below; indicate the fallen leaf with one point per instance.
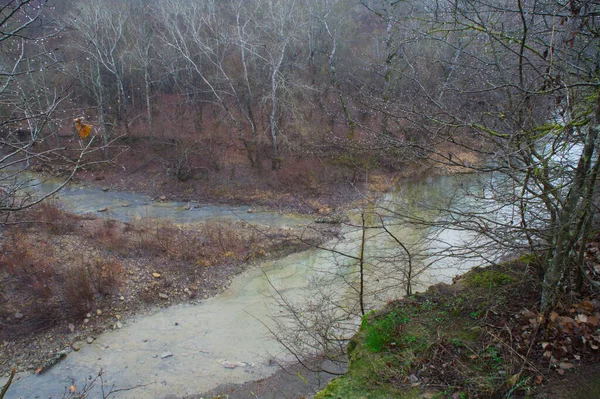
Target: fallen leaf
{"x": 566, "y": 366}
{"x": 593, "y": 321}
{"x": 539, "y": 379}
{"x": 512, "y": 381}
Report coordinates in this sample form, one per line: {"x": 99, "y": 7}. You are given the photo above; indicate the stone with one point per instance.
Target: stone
{"x": 105, "y": 188}
{"x": 76, "y": 346}
{"x": 103, "y": 209}
{"x": 71, "y": 327}
{"x": 122, "y": 298}
{"x": 163, "y": 296}
{"x": 228, "y": 365}
{"x": 156, "y": 275}
{"x": 165, "y": 355}
{"x": 19, "y": 315}
{"x": 99, "y": 312}
{"x": 88, "y": 315}
{"x": 162, "y": 197}
{"x": 119, "y": 324}
{"x": 89, "y": 340}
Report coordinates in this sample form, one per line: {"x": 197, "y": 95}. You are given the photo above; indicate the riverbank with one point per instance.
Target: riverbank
{"x": 315, "y": 186}
{"x": 481, "y": 337}
{"x": 68, "y": 278}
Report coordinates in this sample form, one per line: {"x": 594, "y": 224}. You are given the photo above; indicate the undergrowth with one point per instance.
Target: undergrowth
{"x": 478, "y": 338}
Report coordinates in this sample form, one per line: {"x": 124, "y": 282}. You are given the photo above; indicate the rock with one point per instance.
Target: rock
{"x": 102, "y": 209}
{"x": 327, "y": 220}
{"x": 122, "y": 298}
{"x": 19, "y": 315}
{"x": 163, "y": 296}
{"x": 162, "y": 198}
{"x": 156, "y": 275}
{"x": 88, "y": 315}
{"x": 99, "y": 312}
{"x": 165, "y": 355}
{"x": 118, "y": 316}
{"x": 228, "y": 365}
{"x": 231, "y": 365}
{"x": 89, "y": 340}
{"x": 126, "y": 205}
{"x": 119, "y": 324}
{"x": 249, "y": 211}
{"x": 71, "y": 327}
{"x": 105, "y": 188}
{"x": 76, "y": 346}
{"x": 86, "y": 320}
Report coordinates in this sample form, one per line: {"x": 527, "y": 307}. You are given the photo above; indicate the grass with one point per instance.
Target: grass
{"x": 434, "y": 338}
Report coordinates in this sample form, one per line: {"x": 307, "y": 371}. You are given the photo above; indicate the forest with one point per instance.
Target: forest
{"x": 315, "y": 106}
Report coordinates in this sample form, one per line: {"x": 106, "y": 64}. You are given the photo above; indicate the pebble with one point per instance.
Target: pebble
{"x": 89, "y": 340}
{"x": 99, "y": 312}
{"x": 165, "y": 355}
{"x": 119, "y": 324}
{"x": 18, "y": 315}
{"x": 122, "y": 298}
{"x": 102, "y": 209}
{"x": 163, "y": 296}
{"x": 76, "y": 346}
{"x": 71, "y": 327}
{"x": 156, "y": 275}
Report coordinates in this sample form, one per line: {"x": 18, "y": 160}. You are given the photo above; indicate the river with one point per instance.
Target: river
{"x": 187, "y": 349}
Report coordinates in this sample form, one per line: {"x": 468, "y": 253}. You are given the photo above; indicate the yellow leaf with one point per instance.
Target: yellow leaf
{"x": 82, "y": 129}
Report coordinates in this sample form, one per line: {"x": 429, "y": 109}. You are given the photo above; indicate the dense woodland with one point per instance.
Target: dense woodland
{"x": 354, "y": 83}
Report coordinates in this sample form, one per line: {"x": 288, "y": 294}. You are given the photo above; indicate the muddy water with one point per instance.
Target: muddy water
{"x": 194, "y": 348}
{"x": 127, "y": 206}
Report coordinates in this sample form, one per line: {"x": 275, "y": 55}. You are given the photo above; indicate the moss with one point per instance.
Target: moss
{"x": 399, "y": 341}
{"x": 483, "y": 278}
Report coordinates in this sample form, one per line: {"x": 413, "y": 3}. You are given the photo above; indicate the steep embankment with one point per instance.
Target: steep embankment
{"x": 480, "y": 337}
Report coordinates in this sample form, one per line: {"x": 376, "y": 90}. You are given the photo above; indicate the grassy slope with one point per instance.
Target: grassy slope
{"x": 474, "y": 339}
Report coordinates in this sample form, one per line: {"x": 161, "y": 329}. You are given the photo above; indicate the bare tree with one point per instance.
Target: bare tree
{"x": 521, "y": 93}
{"x": 30, "y": 124}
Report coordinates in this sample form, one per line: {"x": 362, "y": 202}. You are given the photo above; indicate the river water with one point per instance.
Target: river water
{"x": 193, "y": 348}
